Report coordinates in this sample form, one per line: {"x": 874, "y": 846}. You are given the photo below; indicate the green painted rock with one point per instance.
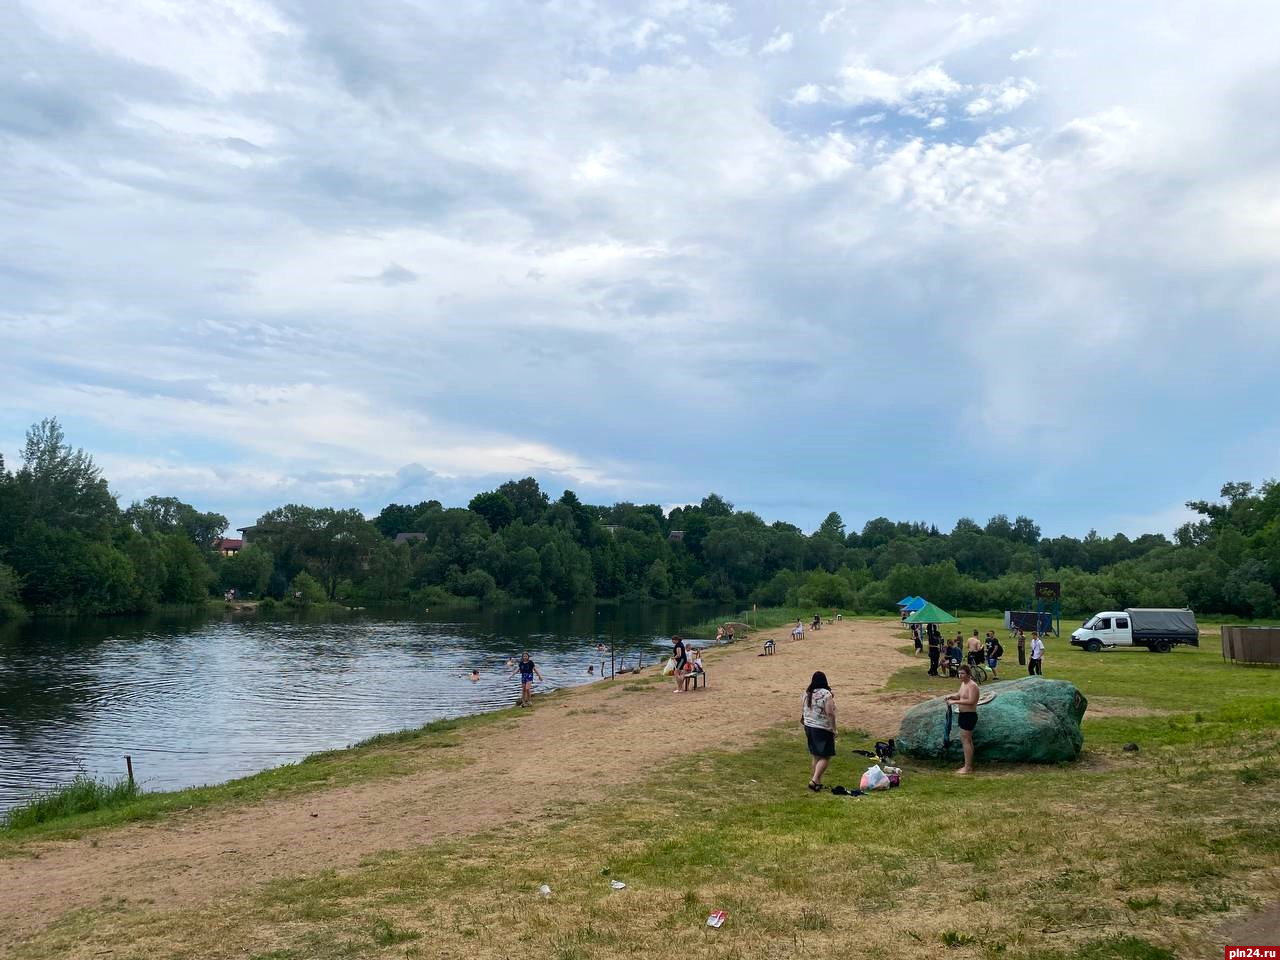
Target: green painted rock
{"x": 1032, "y": 720}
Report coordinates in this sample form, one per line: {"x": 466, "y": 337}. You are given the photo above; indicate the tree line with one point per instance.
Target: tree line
{"x": 66, "y": 546}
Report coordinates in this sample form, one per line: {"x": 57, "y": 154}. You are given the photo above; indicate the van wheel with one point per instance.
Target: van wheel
{"x": 1093, "y": 646}
{"x": 1161, "y": 646}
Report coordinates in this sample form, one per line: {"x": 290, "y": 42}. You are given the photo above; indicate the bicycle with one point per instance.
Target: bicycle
{"x": 977, "y": 671}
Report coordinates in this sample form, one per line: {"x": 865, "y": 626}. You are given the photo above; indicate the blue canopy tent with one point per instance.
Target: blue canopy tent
{"x": 916, "y": 603}
{"x": 905, "y": 600}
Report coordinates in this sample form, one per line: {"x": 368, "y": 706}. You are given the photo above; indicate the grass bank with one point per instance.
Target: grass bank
{"x": 1124, "y": 856}
{"x": 84, "y": 805}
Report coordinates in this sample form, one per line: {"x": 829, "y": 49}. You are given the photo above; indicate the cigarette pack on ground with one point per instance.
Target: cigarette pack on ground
{"x": 717, "y": 919}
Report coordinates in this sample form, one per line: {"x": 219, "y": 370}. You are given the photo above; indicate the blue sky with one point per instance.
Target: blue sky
{"x": 916, "y": 259}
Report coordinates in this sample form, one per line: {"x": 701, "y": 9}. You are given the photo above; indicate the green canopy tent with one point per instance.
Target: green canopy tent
{"x": 931, "y": 614}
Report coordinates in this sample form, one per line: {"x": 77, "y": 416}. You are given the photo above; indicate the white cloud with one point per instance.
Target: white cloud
{"x": 859, "y": 84}
{"x": 809, "y": 93}
{"x": 322, "y": 246}
{"x": 1000, "y": 98}
{"x": 831, "y": 20}
{"x": 780, "y": 42}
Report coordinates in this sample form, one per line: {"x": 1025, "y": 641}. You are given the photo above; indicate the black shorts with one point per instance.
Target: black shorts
{"x": 968, "y": 720}
{"x": 822, "y": 743}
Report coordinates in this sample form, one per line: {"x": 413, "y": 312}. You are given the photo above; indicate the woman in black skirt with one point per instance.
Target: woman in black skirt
{"x": 818, "y": 717}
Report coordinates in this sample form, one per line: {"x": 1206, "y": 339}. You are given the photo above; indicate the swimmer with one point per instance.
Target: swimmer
{"x": 475, "y": 676}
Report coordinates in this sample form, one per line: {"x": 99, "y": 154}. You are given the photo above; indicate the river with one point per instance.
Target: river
{"x": 197, "y": 699}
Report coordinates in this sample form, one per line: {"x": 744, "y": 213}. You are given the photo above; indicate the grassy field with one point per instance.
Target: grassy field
{"x": 1123, "y": 856}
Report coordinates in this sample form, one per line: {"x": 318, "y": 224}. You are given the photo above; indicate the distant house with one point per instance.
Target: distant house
{"x": 408, "y": 537}
{"x": 244, "y": 533}
{"x": 227, "y": 546}
{"x": 676, "y": 536}
{"x": 612, "y": 528}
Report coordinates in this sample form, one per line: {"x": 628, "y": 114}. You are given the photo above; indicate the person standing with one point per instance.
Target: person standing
{"x": 1034, "y": 668}
{"x": 935, "y": 649}
{"x": 728, "y": 634}
{"x": 527, "y": 671}
{"x": 818, "y": 717}
{"x": 966, "y": 701}
{"x": 994, "y": 651}
{"x": 915, "y": 636}
{"x": 681, "y": 656}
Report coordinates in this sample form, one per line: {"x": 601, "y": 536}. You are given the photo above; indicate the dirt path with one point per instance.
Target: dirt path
{"x": 568, "y": 749}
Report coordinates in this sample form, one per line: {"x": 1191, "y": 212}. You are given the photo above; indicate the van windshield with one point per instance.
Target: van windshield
{"x": 1091, "y": 623}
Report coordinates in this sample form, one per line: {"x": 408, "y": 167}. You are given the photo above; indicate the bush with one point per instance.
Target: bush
{"x": 305, "y": 590}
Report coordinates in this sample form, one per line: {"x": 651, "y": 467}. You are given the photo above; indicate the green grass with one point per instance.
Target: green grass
{"x": 82, "y": 806}
{"x": 799, "y": 874}
{"x": 81, "y": 796}
{"x": 1021, "y": 862}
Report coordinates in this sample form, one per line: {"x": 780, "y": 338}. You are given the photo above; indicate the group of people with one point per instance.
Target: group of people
{"x": 687, "y": 662}
{"x": 976, "y": 651}
{"x": 724, "y": 633}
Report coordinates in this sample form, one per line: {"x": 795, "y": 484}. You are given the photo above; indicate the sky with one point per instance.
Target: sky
{"x": 915, "y": 258}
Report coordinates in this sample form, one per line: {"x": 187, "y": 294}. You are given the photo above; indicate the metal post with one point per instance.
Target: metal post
{"x": 128, "y": 765}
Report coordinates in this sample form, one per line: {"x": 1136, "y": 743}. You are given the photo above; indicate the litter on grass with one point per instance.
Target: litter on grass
{"x": 717, "y": 919}
{"x": 617, "y": 884}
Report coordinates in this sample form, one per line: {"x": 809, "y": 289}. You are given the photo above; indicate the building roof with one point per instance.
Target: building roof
{"x": 406, "y": 537}
{"x": 227, "y": 543}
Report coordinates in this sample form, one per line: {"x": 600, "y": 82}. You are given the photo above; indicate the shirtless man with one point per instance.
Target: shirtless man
{"x": 967, "y": 702}
{"x": 975, "y": 650}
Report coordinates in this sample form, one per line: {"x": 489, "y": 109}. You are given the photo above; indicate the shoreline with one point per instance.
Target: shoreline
{"x": 403, "y": 790}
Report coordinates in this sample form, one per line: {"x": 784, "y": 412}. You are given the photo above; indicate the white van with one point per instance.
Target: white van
{"x": 1156, "y": 629}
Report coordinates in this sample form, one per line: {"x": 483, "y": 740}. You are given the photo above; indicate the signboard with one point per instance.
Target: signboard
{"x": 1048, "y": 590}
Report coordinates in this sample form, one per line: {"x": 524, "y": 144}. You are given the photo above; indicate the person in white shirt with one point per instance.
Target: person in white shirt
{"x": 1037, "y": 655}
{"x": 818, "y": 718}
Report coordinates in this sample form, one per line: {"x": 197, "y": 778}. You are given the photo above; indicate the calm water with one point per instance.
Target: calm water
{"x": 201, "y": 700}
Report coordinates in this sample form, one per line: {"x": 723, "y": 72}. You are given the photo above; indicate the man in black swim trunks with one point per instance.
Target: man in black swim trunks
{"x": 966, "y": 700}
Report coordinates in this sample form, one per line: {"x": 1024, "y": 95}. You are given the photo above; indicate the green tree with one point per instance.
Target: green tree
{"x": 61, "y": 486}
{"x": 247, "y": 571}
{"x": 166, "y": 515}
{"x": 10, "y": 600}
{"x": 496, "y": 509}
{"x": 187, "y": 576}
{"x": 527, "y": 499}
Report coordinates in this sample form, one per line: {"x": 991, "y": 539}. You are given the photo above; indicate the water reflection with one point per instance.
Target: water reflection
{"x": 197, "y": 700}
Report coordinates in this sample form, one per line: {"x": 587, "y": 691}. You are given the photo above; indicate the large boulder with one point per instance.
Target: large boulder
{"x": 1032, "y": 720}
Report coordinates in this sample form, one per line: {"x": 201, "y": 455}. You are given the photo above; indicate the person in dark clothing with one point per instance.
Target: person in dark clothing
{"x": 681, "y": 656}
{"x": 935, "y": 649}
